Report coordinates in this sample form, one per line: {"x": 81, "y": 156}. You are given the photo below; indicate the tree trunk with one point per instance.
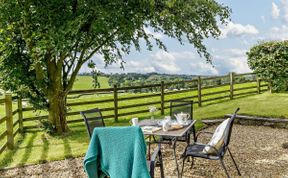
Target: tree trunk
{"x": 57, "y": 112}
{"x": 57, "y": 99}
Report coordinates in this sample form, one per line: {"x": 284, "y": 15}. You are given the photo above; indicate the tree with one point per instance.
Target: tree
{"x": 43, "y": 44}
{"x": 270, "y": 61}
{"x": 94, "y": 73}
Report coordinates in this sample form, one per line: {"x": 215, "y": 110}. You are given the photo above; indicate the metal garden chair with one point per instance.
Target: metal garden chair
{"x": 156, "y": 160}
{"x": 177, "y": 106}
{"x": 196, "y": 149}
{"x": 92, "y": 118}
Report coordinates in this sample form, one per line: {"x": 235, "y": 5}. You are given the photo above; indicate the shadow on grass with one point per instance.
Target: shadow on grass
{"x": 44, "y": 154}
{"x": 225, "y": 100}
{"x": 67, "y": 148}
{"x": 28, "y": 149}
{"x": 8, "y": 157}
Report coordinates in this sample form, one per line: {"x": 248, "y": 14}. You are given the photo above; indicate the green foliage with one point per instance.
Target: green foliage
{"x": 270, "y": 61}
{"x": 94, "y": 73}
{"x": 136, "y": 79}
{"x": 46, "y": 126}
{"x": 43, "y": 44}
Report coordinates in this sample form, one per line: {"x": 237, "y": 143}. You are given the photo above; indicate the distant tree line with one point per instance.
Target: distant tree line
{"x": 136, "y": 79}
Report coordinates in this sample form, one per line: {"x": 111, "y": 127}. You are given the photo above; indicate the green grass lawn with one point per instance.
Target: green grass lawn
{"x": 85, "y": 82}
{"x": 36, "y": 146}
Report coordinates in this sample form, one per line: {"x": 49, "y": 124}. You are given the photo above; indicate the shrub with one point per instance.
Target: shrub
{"x": 270, "y": 61}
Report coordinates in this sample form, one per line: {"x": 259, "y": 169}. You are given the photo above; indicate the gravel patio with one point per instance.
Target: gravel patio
{"x": 258, "y": 151}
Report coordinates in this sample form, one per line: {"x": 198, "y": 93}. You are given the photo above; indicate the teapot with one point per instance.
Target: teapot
{"x": 182, "y": 117}
{"x": 166, "y": 125}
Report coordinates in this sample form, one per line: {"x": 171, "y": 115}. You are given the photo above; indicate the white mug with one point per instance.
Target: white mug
{"x": 166, "y": 125}
{"x": 167, "y": 118}
{"x": 134, "y": 121}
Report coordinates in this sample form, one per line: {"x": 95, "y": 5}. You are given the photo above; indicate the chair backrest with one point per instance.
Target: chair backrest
{"x": 181, "y": 105}
{"x": 92, "y": 118}
{"x": 228, "y": 130}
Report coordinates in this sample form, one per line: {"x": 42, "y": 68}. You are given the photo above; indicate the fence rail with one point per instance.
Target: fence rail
{"x": 116, "y": 106}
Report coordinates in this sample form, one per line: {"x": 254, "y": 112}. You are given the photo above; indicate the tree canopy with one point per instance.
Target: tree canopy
{"x": 43, "y": 44}
{"x": 270, "y": 61}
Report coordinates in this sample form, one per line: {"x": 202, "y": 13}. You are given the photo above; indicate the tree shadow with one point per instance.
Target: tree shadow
{"x": 67, "y": 148}
{"x": 225, "y": 100}
{"x": 28, "y": 149}
{"x": 44, "y": 154}
{"x": 8, "y": 157}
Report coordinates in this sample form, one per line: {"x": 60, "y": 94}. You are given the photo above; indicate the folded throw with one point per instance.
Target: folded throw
{"x": 118, "y": 152}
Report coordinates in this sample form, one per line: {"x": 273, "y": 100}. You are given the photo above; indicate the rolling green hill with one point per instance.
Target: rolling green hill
{"x": 85, "y": 83}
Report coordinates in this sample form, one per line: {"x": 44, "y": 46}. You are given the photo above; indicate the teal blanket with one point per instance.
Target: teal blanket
{"x": 119, "y": 152}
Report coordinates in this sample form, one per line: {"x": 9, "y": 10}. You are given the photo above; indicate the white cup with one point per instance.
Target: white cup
{"x": 167, "y": 118}
{"x": 166, "y": 125}
{"x": 134, "y": 121}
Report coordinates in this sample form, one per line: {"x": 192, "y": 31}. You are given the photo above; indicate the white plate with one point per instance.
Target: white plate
{"x": 174, "y": 122}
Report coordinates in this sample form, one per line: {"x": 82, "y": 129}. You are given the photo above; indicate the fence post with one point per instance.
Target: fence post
{"x": 270, "y": 87}
{"x": 162, "y": 97}
{"x": 199, "y": 91}
{"x": 258, "y": 85}
{"x": 9, "y": 121}
{"x": 115, "y": 103}
{"x": 231, "y": 75}
{"x": 20, "y": 114}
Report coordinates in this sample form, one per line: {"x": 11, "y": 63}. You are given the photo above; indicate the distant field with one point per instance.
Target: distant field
{"x": 85, "y": 83}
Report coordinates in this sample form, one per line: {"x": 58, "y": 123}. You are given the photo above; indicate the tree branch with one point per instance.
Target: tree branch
{"x": 75, "y": 72}
{"x": 81, "y": 60}
{"x": 101, "y": 44}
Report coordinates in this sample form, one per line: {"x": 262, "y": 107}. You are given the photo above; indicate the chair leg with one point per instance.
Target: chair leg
{"x": 183, "y": 165}
{"x": 234, "y": 162}
{"x": 161, "y": 165}
{"x": 224, "y": 167}
{"x": 192, "y": 163}
{"x": 194, "y": 133}
{"x": 188, "y": 143}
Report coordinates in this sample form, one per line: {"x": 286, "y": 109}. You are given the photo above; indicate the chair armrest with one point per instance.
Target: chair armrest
{"x": 214, "y": 149}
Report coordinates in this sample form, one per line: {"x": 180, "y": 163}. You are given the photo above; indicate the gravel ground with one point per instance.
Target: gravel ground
{"x": 257, "y": 150}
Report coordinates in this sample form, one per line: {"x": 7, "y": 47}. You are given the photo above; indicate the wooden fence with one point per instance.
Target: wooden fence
{"x": 199, "y": 90}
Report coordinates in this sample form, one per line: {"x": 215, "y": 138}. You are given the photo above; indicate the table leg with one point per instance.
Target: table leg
{"x": 174, "y": 140}
{"x": 149, "y": 147}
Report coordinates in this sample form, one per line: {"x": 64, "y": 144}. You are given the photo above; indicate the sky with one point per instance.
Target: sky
{"x": 251, "y": 21}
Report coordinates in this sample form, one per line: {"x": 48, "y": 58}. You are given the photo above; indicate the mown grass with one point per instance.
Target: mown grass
{"x": 86, "y": 82}
{"x": 37, "y": 146}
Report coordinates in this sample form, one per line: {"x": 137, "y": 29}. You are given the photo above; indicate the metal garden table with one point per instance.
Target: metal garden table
{"x": 171, "y": 133}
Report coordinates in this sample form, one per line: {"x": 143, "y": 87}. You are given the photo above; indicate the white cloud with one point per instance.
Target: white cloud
{"x": 275, "y": 11}
{"x": 204, "y": 68}
{"x": 278, "y": 33}
{"x": 139, "y": 65}
{"x": 235, "y": 29}
{"x": 263, "y": 19}
{"x": 284, "y": 6}
{"x": 180, "y": 62}
{"x": 231, "y": 60}
{"x": 165, "y": 62}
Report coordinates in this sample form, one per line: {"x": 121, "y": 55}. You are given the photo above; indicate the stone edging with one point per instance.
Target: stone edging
{"x": 252, "y": 120}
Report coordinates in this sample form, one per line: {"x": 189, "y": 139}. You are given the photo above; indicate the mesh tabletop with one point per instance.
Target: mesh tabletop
{"x": 174, "y": 133}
